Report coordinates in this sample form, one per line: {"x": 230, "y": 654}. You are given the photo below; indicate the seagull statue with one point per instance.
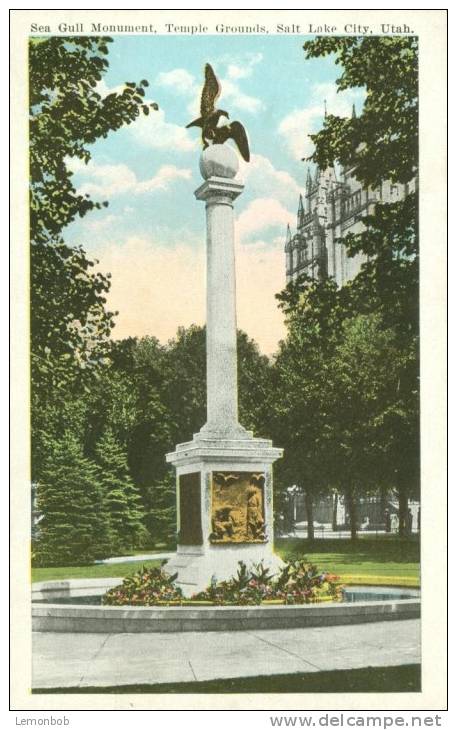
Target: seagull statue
{"x": 210, "y": 116}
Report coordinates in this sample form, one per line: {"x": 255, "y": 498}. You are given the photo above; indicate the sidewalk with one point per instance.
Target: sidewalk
{"x": 86, "y": 660}
{"x": 135, "y": 558}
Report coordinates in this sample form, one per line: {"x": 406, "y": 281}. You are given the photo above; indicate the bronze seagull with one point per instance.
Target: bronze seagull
{"x": 209, "y": 118}
{"x": 234, "y": 131}
{"x": 225, "y": 480}
{"x": 257, "y": 479}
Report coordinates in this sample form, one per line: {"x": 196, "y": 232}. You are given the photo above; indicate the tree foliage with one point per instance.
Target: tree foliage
{"x": 121, "y": 497}
{"x": 75, "y": 525}
{"x": 67, "y": 113}
{"x": 313, "y": 330}
{"x": 382, "y": 143}
{"x": 70, "y": 325}
{"x": 348, "y": 370}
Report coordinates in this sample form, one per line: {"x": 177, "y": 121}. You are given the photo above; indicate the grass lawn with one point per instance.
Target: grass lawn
{"x": 369, "y": 561}
{"x": 91, "y": 571}
{"x": 375, "y": 561}
{"x": 405, "y": 678}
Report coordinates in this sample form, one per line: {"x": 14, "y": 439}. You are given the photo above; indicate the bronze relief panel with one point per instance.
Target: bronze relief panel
{"x": 238, "y": 509}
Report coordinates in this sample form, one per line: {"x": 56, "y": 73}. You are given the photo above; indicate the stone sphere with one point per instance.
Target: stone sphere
{"x": 219, "y": 160}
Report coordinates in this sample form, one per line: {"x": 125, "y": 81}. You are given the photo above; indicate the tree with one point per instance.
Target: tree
{"x": 154, "y": 397}
{"x": 338, "y": 406}
{"x": 388, "y": 285}
{"x": 127, "y": 399}
{"x": 361, "y": 382}
{"x": 302, "y": 405}
{"x": 185, "y": 383}
{"x": 185, "y": 387}
{"x": 70, "y": 326}
{"x": 74, "y": 529}
{"x": 255, "y": 386}
{"x": 382, "y": 144}
{"x": 122, "y": 499}
{"x": 160, "y": 499}
{"x": 66, "y": 114}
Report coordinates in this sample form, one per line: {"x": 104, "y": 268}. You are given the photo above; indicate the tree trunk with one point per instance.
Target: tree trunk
{"x": 335, "y": 512}
{"x": 309, "y": 514}
{"x": 352, "y": 507}
{"x": 403, "y": 484}
{"x": 402, "y": 512}
{"x": 383, "y": 500}
{"x": 384, "y": 508}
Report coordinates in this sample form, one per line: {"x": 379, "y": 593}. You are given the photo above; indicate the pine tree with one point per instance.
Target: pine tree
{"x": 160, "y": 500}
{"x": 123, "y": 502}
{"x": 74, "y": 529}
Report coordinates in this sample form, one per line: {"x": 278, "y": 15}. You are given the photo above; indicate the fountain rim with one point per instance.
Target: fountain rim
{"x": 157, "y": 619}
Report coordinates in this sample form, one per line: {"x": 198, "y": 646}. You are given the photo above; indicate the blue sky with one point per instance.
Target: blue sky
{"x": 151, "y": 238}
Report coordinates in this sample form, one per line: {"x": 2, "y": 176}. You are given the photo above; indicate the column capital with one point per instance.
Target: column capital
{"x": 219, "y": 189}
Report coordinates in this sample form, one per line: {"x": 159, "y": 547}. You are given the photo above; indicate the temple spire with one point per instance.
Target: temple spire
{"x": 301, "y": 212}
{"x": 288, "y": 246}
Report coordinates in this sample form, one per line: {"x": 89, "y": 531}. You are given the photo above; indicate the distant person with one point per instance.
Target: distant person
{"x": 394, "y": 522}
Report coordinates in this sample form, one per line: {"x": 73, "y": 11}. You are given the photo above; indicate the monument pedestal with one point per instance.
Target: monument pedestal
{"x": 213, "y": 476}
{"x": 224, "y": 475}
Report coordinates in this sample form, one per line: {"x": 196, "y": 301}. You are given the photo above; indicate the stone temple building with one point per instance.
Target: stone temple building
{"x": 331, "y": 207}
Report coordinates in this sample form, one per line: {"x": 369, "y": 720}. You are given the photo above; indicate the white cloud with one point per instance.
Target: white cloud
{"x": 265, "y": 180}
{"x": 338, "y": 103}
{"x": 296, "y": 126}
{"x": 75, "y": 164}
{"x": 180, "y": 80}
{"x": 112, "y": 180}
{"x": 155, "y": 132}
{"x": 102, "y": 88}
{"x": 259, "y": 276}
{"x": 232, "y": 93}
{"x": 240, "y": 66}
{"x": 262, "y": 214}
{"x": 100, "y": 224}
{"x": 161, "y": 181}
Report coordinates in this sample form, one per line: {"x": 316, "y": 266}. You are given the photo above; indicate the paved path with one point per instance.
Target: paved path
{"x": 85, "y": 660}
{"x": 135, "y": 558}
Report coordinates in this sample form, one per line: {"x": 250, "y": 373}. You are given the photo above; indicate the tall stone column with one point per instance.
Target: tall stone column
{"x": 218, "y": 166}
{"x": 224, "y": 475}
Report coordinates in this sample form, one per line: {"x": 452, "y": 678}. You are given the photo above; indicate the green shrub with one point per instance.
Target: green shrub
{"x": 297, "y": 583}
{"x": 147, "y": 587}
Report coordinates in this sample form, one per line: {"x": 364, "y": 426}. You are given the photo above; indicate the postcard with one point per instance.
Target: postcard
{"x": 228, "y": 425}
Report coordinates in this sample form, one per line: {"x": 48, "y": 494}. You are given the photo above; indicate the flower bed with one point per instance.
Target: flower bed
{"x": 299, "y": 582}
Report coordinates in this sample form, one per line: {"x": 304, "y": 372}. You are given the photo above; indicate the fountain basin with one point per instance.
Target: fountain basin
{"x": 64, "y": 606}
